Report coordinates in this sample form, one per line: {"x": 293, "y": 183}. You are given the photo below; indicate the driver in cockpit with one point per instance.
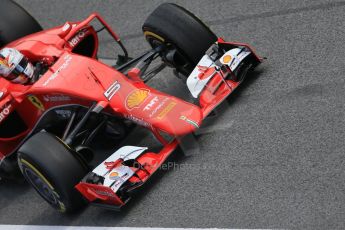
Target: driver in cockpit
{"x": 17, "y": 68}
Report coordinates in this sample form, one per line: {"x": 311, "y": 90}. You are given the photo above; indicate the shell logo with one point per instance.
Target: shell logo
{"x": 227, "y": 59}
{"x": 113, "y": 175}
{"x": 136, "y": 98}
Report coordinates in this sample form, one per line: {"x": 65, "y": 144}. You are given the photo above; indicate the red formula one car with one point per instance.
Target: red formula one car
{"x": 47, "y": 126}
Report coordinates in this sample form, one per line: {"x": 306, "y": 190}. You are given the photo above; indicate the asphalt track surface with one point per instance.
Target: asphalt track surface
{"x": 274, "y": 157}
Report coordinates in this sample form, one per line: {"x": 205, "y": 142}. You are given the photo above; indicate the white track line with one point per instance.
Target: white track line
{"x": 40, "y": 227}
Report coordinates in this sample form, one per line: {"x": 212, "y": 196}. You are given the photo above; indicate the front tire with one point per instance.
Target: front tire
{"x": 15, "y": 22}
{"x": 180, "y": 30}
{"x": 53, "y": 170}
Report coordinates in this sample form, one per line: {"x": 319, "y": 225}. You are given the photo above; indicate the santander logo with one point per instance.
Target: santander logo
{"x": 78, "y": 37}
{"x": 5, "y": 112}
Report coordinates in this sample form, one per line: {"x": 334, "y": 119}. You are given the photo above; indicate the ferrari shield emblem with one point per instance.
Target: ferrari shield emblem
{"x": 36, "y": 102}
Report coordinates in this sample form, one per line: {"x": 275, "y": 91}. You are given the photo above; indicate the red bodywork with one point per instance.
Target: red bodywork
{"x": 83, "y": 80}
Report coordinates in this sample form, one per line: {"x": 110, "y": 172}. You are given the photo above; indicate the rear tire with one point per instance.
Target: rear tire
{"x": 179, "y": 29}
{"x": 53, "y": 170}
{"x": 15, "y": 22}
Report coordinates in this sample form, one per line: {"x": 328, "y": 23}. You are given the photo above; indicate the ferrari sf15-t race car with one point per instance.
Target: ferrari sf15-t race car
{"x": 47, "y": 126}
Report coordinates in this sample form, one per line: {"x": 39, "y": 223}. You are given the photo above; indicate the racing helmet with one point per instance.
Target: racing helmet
{"x": 15, "y": 67}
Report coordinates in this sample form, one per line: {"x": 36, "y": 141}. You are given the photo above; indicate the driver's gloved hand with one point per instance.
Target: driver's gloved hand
{"x": 40, "y": 69}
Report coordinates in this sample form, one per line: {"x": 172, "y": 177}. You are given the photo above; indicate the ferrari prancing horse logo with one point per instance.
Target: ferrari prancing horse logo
{"x": 36, "y": 102}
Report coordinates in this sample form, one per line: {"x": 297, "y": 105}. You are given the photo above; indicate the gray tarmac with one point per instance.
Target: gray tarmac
{"x": 274, "y": 156}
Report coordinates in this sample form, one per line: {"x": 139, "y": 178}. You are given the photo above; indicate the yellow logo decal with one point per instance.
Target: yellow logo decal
{"x": 113, "y": 175}
{"x": 36, "y": 102}
{"x": 166, "y": 110}
{"x": 136, "y": 98}
{"x": 227, "y": 59}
